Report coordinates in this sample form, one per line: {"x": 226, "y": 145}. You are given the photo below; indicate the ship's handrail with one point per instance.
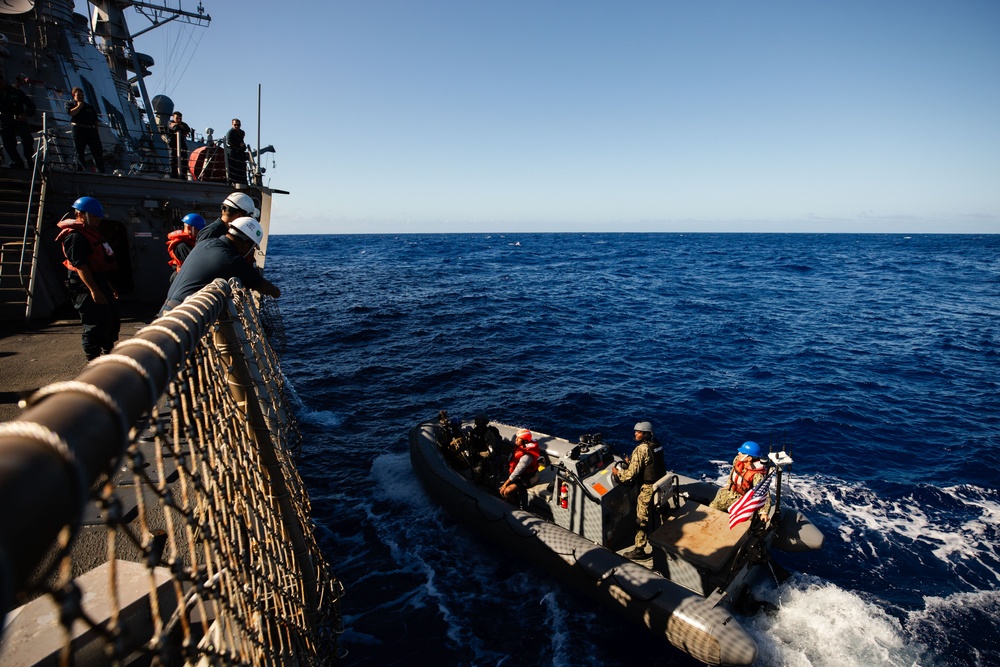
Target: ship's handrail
{"x": 38, "y": 163}
{"x": 235, "y": 575}
{"x": 132, "y": 152}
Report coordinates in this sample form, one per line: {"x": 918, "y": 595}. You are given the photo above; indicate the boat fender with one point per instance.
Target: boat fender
{"x": 710, "y": 633}
{"x": 525, "y": 524}
{"x": 639, "y": 582}
{"x": 490, "y": 512}
{"x": 797, "y": 533}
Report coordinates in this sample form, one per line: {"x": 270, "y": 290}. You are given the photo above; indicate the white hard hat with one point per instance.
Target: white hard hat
{"x": 243, "y": 202}
{"x": 249, "y": 228}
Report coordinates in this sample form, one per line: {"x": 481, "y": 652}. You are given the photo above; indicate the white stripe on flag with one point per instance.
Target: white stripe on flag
{"x": 751, "y": 501}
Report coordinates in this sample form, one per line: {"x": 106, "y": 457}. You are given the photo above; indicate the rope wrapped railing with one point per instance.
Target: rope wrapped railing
{"x": 164, "y": 474}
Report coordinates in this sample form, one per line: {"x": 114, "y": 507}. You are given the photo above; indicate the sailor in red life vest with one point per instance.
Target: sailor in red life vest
{"x": 523, "y": 464}
{"x": 748, "y": 471}
{"x": 91, "y": 261}
{"x": 181, "y": 242}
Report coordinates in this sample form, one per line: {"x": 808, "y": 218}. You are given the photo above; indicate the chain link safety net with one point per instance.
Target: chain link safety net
{"x": 197, "y": 547}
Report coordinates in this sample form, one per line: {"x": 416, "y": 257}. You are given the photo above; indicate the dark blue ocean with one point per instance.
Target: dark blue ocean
{"x": 875, "y": 358}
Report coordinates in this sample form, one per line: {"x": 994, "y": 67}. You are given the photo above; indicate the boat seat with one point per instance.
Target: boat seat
{"x": 541, "y": 485}
{"x": 698, "y": 534}
{"x": 666, "y": 496}
{"x": 666, "y": 492}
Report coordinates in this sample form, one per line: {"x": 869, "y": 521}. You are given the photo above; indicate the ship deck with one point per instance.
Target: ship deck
{"x": 35, "y": 354}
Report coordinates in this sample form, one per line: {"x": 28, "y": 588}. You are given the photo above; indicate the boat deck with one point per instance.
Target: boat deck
{"x": 699, "y": 534}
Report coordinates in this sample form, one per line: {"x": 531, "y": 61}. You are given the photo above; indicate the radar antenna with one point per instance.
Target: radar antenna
{"x": 159, "y": 15}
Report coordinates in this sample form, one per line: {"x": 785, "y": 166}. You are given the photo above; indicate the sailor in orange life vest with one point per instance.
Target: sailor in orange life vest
{"x": 91, "y": 261}
{"x": 181, "y": 242}
{"x": 523, "y": 464}
{"x": 748, "y": 471}
{"x": 228, "y": 257}
{"x": 646, "y": 465}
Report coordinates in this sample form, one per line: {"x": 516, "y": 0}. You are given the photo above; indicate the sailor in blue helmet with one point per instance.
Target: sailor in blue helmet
{"x": 228, "y": 257}
{"x": 91, "y": 261}
{"x": 748, "y": 471}
{"x": 646, "y": 465}
{"x": 181, "y": 242}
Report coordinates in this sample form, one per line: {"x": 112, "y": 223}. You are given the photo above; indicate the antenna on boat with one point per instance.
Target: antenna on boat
{"x": 780, "y": 460}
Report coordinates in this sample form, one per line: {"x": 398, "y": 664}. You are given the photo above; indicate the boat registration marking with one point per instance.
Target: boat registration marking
{"x": 144, "y": 235}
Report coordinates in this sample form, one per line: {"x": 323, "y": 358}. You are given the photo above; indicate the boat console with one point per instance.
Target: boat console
{"x": 587, "y": 499}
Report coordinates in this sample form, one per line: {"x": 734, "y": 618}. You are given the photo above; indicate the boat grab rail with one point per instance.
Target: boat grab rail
{"x": 569, "y": 474}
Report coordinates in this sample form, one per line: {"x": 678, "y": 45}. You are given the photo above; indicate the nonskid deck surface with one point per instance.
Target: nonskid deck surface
{"x": 40, "y": 353}
{"x": 699, "y": 534}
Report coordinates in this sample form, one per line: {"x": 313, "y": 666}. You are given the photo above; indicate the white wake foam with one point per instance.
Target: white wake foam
{"x": 324, "y": 418}
{"x": 821, "y": 625}
{"x": 395, "y": 480}
{"x": 960, "y": 534}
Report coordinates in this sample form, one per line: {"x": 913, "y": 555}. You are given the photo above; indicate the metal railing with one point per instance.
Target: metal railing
{"x": 176, "y": 452}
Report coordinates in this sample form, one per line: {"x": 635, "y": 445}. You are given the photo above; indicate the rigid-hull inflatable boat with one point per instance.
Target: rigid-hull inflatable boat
{"x": 579, "y": 517}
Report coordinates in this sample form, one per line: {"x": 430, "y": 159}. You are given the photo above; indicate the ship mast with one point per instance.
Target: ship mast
{"x": 108, "y": 23}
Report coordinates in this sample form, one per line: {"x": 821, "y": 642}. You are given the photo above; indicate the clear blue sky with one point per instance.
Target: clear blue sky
{"x": 471, "y": 115}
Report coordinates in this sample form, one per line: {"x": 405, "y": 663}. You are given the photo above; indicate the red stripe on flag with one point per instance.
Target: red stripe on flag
{"x": 751, "y": 501}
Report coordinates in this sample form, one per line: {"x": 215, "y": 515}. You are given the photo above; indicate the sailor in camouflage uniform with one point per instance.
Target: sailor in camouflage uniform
{"x": 645, "y": 465}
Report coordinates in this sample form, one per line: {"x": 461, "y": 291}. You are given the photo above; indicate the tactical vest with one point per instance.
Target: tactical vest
{"x": 657, "y": 468}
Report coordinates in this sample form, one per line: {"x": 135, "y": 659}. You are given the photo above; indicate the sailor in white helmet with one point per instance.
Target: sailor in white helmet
{"x": 236, "y": 205}
{"x": 228, "y": 257}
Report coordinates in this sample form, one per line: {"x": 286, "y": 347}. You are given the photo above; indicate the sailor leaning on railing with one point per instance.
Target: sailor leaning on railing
{"x": 83, "y": 118}
{"x": 230, "y": 256}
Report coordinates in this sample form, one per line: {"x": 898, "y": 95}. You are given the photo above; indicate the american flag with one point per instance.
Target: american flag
{"x": 751, "y": 501}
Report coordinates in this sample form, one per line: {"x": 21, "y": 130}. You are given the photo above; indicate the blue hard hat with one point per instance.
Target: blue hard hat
{"x": 750, "y": 448}
{"x": 194, "y": 220}
{"x": 89, "y": 205}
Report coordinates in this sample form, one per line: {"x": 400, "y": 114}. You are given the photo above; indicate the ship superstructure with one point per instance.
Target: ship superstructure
{"x": 46, "y": 49}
